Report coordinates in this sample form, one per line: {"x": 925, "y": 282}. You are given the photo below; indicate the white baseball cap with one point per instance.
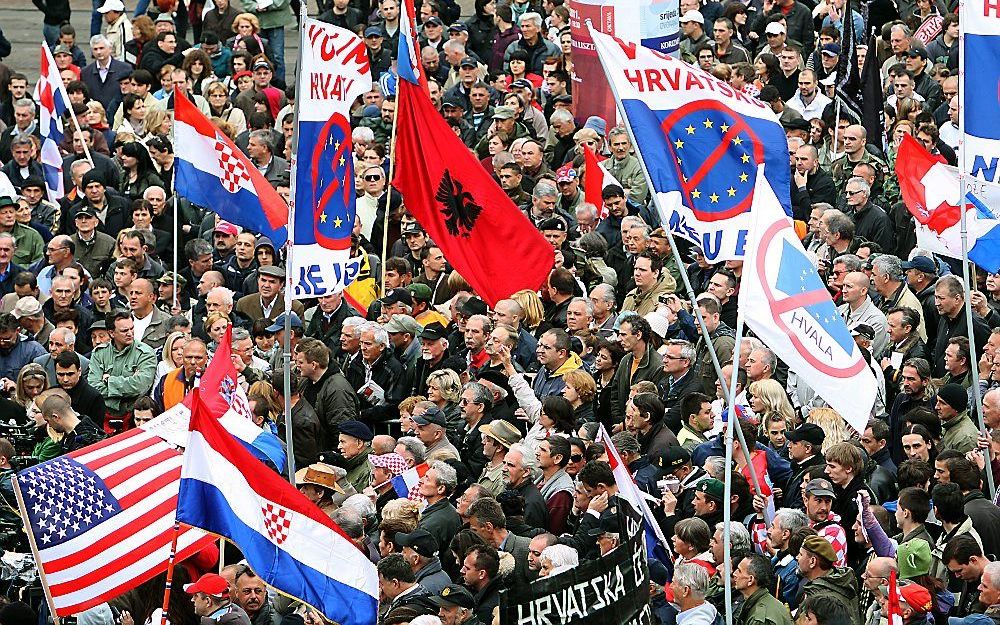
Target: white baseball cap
{"x": 112, "y": 5}
{"x": 693, "y": 16}
{"x": 774, "y": 28}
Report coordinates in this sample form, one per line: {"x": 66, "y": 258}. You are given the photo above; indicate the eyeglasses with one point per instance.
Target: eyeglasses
{"x": 855, "y": 192}
{"x": 373, "y": 178}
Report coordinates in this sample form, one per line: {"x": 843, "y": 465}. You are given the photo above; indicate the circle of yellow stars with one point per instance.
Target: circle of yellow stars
{"x": 744, "y": 158}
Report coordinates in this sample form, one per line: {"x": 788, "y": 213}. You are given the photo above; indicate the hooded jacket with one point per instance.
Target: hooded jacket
{"x": 838, "y": 584}
{"x": 546, "y": 383}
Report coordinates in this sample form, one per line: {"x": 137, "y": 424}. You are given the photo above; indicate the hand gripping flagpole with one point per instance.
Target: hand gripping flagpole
{"x": 728, "y": 397}
{"x": 963, "y": 219}
{"x": 289, "y": 247}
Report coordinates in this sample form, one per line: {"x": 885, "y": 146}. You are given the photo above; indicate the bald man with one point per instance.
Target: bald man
{"x": 859, "y": 309}
{"x": 150, "y": 322}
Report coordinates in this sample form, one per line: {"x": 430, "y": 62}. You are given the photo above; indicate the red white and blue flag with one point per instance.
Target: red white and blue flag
{"x": 224, "y": 396}
{"x": 288, "y": 541}
{"x": 930, "y": 190}
{"x": 787, "y": 305}
{"x": 405, "y": 484}
{"x": 212, "y": 172}
{"x": 408, "y": 65}
{"x": 656, "y": 544}
{"x": 53, "y": 102}
{"x": 334, "y": 72}
{"x": 101, "y": 518}
{"x": 701, "y": 141}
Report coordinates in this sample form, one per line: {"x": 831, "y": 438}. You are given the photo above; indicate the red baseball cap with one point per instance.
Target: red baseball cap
{"x": 227, "y": 228}
{"x": 210, "y": 584}
{"x": 917, "y": 597}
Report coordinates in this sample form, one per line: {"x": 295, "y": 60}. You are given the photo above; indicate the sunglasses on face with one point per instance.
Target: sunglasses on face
{"x": 373, "y": 178}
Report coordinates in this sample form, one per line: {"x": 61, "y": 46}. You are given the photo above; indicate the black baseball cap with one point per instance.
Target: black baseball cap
{"x": 809, "y": 433}
{"x": 433, "y": 415}
{"x": 419, "y": 540}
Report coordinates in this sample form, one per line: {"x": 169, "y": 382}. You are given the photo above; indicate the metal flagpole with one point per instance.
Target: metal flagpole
{"x": 963, "y": 219}
{"x": 289, "y": 247}
{"x": 177, "y": 299}
{"x": 727, "y": 512}
{"x": 388, "y": 181}
{"x": 684, "y": 276}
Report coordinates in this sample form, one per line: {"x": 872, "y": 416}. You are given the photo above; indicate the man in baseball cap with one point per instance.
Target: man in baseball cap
{"x": 210, "y": 596}
{"x": 455, "y": 605}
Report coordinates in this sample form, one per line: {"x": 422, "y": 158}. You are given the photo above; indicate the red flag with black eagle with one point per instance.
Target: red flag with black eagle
{"x": 484, "y": 236}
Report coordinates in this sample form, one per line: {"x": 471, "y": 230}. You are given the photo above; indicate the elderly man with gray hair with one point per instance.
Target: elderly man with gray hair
{"x": 439, "y": 518}
{"x": 871, "y": 223}
{"x": 889, "y": 279}
{"x": 689, "y": 586}
{"x": 537, "y": 47}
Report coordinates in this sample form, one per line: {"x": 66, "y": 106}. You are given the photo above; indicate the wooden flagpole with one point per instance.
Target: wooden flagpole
{"x": 34, "y": 548}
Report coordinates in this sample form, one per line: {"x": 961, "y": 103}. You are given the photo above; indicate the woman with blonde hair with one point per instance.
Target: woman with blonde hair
{"x": 767, "y": 397}
{"x": 263, "y": 389}
{"x": 215, "y": 326}
{"x": 31, "y": 381}
{"x": 97, "y": 118}
{"x": 219, "y": 105}
{"x": 247, "y": 29}
{"x": 532, "y": 309}
{"x": 173, "y": 355}
{"x": 833, "y": 426}
{"x": 444, "y": 389}
{"x": 156, "y": 120}
{"x": 580, "y": 391}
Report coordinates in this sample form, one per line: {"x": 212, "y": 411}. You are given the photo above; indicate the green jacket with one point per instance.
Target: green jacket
{"x": 130, "y": 372}
{"x": 359, "y": 471}
{"x": 837, "y": 584}
{"x": 30, "y": 247}
{"x": 628, "y": 171}
{"x": 650, "y": 368}
{"x": 761, "y": 608}
{"x": 959, "y": 433}
{"x": 278, "y": 15}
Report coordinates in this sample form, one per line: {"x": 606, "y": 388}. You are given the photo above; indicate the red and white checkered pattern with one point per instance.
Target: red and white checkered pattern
{"x": 276, "y": 522}
{"x": 834, "y": 533}
{"x": 234, "y": 172}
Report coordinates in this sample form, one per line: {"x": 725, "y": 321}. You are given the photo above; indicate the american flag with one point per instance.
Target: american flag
{"x": 101, "y": 519}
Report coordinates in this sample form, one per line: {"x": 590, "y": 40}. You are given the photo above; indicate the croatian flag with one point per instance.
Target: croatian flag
{"x": 408, "y": 65}
{"x": 53, "y": 103}
{"x": 221, "y": 392}
{"x": 930, "y": 191}
{"x": 656, "y": 543}
{"x": 596, "y": 177}
{"x": 289, "y": 542}
{"x": 214, "y": 173}
{"x": 405, "y": 484}
{"x": 335, "y": 71}
{"x": 701, "y": 141}
{"x": 980, "y": 47}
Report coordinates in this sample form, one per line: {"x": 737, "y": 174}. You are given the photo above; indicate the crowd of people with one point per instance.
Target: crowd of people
{"x": 101, "y": 330}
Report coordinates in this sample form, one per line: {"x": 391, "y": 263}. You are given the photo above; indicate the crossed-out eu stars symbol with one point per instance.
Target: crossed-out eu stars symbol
{"x": 333, "y": 141}
{"x": 738, "y": 144}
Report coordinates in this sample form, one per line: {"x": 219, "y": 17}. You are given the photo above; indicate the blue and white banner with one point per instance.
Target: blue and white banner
{"x": 701, "y": 141}
{"x": 787, "y": 305}
{"x": 334, "y": 72}
{"x": 981, "y": 31}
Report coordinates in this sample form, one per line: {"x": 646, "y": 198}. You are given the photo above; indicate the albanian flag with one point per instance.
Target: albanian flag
{"x": 484, "y": 236}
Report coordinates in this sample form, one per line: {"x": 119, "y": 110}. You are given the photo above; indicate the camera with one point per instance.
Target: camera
{"x": 671, "y": 484}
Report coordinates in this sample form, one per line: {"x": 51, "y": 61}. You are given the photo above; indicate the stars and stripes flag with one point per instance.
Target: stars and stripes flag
{"x": 101, "y": 519}
{"x": 53, "y": 102}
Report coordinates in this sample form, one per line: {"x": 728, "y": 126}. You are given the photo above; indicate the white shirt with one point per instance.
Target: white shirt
{"x": 949, "y": 134}
{"x": 812, "y": 110}
{"x": 141, "y": 325}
